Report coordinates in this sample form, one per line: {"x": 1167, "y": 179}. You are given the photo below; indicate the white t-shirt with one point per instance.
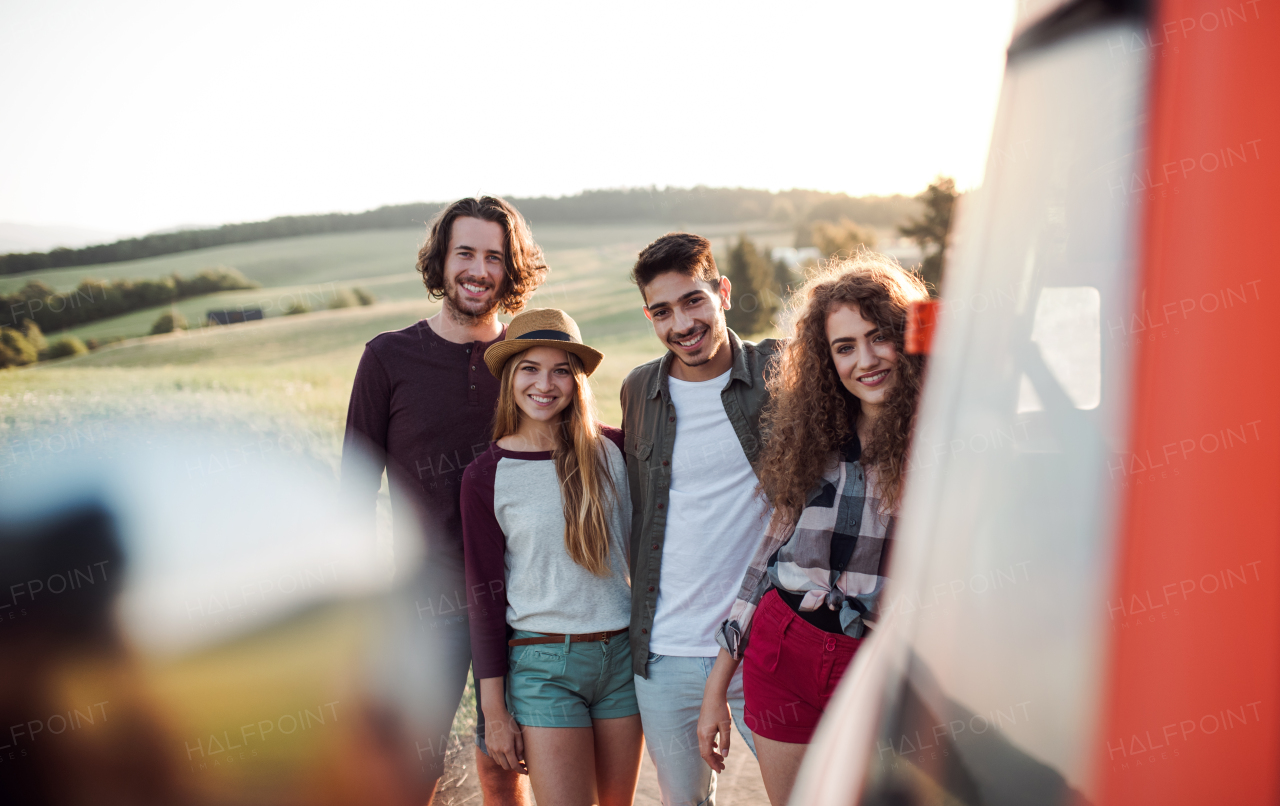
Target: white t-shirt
{"x": 715, "y": 520}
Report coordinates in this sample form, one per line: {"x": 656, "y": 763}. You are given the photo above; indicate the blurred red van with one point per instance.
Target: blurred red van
{"x": 1086, "y": 602}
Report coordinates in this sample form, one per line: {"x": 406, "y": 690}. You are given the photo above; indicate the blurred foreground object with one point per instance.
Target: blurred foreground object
{"x": 176, "y": 628}
{"x": 1085, "y": 606}
{"x": 922, "y": 320}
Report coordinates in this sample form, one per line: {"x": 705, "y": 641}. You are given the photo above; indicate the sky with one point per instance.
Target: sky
{"x": 133, "y": 116}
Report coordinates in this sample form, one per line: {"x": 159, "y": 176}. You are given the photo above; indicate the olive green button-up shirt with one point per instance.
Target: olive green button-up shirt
{"x": 649, "y": 424}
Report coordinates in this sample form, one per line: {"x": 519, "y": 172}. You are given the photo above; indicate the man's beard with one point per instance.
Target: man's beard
{"x": 464, "y": 312}
{"x": 717, "y": 335}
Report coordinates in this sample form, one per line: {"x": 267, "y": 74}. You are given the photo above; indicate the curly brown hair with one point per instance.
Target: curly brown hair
{"x": 525, "y": 266}
{"x": 810, "y": 415}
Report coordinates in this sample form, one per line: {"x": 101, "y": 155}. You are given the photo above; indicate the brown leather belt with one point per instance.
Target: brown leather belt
{"x": 558, "y": 638}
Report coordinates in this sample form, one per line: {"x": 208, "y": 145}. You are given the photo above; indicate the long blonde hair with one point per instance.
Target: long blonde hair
{"x": 580, "y": 464}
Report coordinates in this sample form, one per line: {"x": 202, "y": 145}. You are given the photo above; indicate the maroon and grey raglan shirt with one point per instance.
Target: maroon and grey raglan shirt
{"x": 422, "y": 407}
{"x": 518, "y": 571}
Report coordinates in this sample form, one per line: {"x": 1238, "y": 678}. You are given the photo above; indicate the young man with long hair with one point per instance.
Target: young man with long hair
{"x": 421, "y": 407}
{"x": 691, "y": 420}
{"x": 546, "y": 514}
{"x": 839, "y": 424}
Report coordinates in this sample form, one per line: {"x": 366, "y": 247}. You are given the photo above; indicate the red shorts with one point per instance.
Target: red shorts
{"x": 789, "y": 671}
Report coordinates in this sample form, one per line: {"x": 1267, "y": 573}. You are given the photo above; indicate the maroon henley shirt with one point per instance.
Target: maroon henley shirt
{"x": 422, "y": 407}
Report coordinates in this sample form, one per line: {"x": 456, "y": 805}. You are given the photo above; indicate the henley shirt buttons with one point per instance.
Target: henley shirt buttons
{"x": 650, "y": 589}
{"x": 665, "y": 463}
{"x": 671, "y": 419}
{"x": 643, "y": 631}
{"x": 473, "y": 386}
{"x": 655, "y": 546}
{"x": 659, "y": 505}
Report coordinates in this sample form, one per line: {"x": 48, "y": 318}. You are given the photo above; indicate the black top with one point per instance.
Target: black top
{"x": 422, "y": 407}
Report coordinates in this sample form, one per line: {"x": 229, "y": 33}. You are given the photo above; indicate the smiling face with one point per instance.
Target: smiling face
{"x": 688, "y": 317}
{"x": 543, "y": 383}
{"x": 475, "y": 267}
{"x": 866, "y": 359}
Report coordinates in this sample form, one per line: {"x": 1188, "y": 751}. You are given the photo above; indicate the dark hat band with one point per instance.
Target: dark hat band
{"x": 554, "y": 335}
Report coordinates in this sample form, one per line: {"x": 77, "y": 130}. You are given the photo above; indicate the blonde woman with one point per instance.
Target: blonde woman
{"x": 546, "y": 517}
{"x": 839, "y": 421}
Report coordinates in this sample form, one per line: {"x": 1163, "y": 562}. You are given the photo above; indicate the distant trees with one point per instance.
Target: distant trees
{"x": 92, "y": 300}
{"x": 702, "y": 205}
{"x": 841, "y": 237}
{"x": 168, "y": 243}
{"x": 931, "y": 230}
{"x": 757, "y": 287}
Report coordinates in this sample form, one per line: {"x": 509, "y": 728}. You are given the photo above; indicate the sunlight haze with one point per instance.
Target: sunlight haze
{"x": 136, "y": 116}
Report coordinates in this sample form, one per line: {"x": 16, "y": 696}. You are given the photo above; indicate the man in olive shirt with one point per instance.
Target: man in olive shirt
{"x": 691, "y": 422}
{"x": 422, "y": 407}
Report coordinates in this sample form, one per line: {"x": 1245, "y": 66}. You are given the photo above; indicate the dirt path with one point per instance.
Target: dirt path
{"x": 740, "y": 785}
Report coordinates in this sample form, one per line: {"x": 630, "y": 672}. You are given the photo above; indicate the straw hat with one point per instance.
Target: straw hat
{"x": 541, "y": 327}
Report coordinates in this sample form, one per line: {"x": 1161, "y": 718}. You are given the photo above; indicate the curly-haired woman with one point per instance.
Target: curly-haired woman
{"x": 840, "y": 419}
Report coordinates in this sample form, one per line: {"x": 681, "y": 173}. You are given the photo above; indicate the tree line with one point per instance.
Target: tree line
{"x": 92, "y": 300}
{"x": 761, "y": 285}
{"x": 698, "y": 205}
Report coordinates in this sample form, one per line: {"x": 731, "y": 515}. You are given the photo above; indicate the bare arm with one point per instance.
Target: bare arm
{"x": 502, "y": 735}
{"x": 715, "y": 721}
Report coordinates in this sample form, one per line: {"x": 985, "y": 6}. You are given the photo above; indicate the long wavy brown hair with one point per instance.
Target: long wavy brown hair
{"x": 811, "y": 416}
{"x": 581, "y": 465}
{"x": 525, "y": 266}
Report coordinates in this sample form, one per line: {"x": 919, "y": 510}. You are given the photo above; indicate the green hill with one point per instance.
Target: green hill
{"x": 313, "y": 268}
{"x": 311, "y": 259}
{"x": 735, "y": 206}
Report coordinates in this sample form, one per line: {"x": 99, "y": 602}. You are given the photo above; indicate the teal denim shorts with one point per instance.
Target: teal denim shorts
{"x": 568, "y": 685}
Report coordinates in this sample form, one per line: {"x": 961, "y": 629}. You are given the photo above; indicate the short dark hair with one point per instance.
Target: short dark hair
{"x": 684, "y": 252}
{"x": 525, "y": 266}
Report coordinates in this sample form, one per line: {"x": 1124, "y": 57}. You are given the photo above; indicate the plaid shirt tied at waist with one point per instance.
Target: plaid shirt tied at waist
{"x": 842, "y": 524}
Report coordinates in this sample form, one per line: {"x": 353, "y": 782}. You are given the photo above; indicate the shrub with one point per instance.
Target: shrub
{"x": 362, "y": 296}
{"x": 32, "y": 333}
{"x": 296, "y": 309}
{"x": 168, "y": 322}
{"x": 65, "y": 346}
{"x": 343, "y": 299}
{"x": 15, "y": 350}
